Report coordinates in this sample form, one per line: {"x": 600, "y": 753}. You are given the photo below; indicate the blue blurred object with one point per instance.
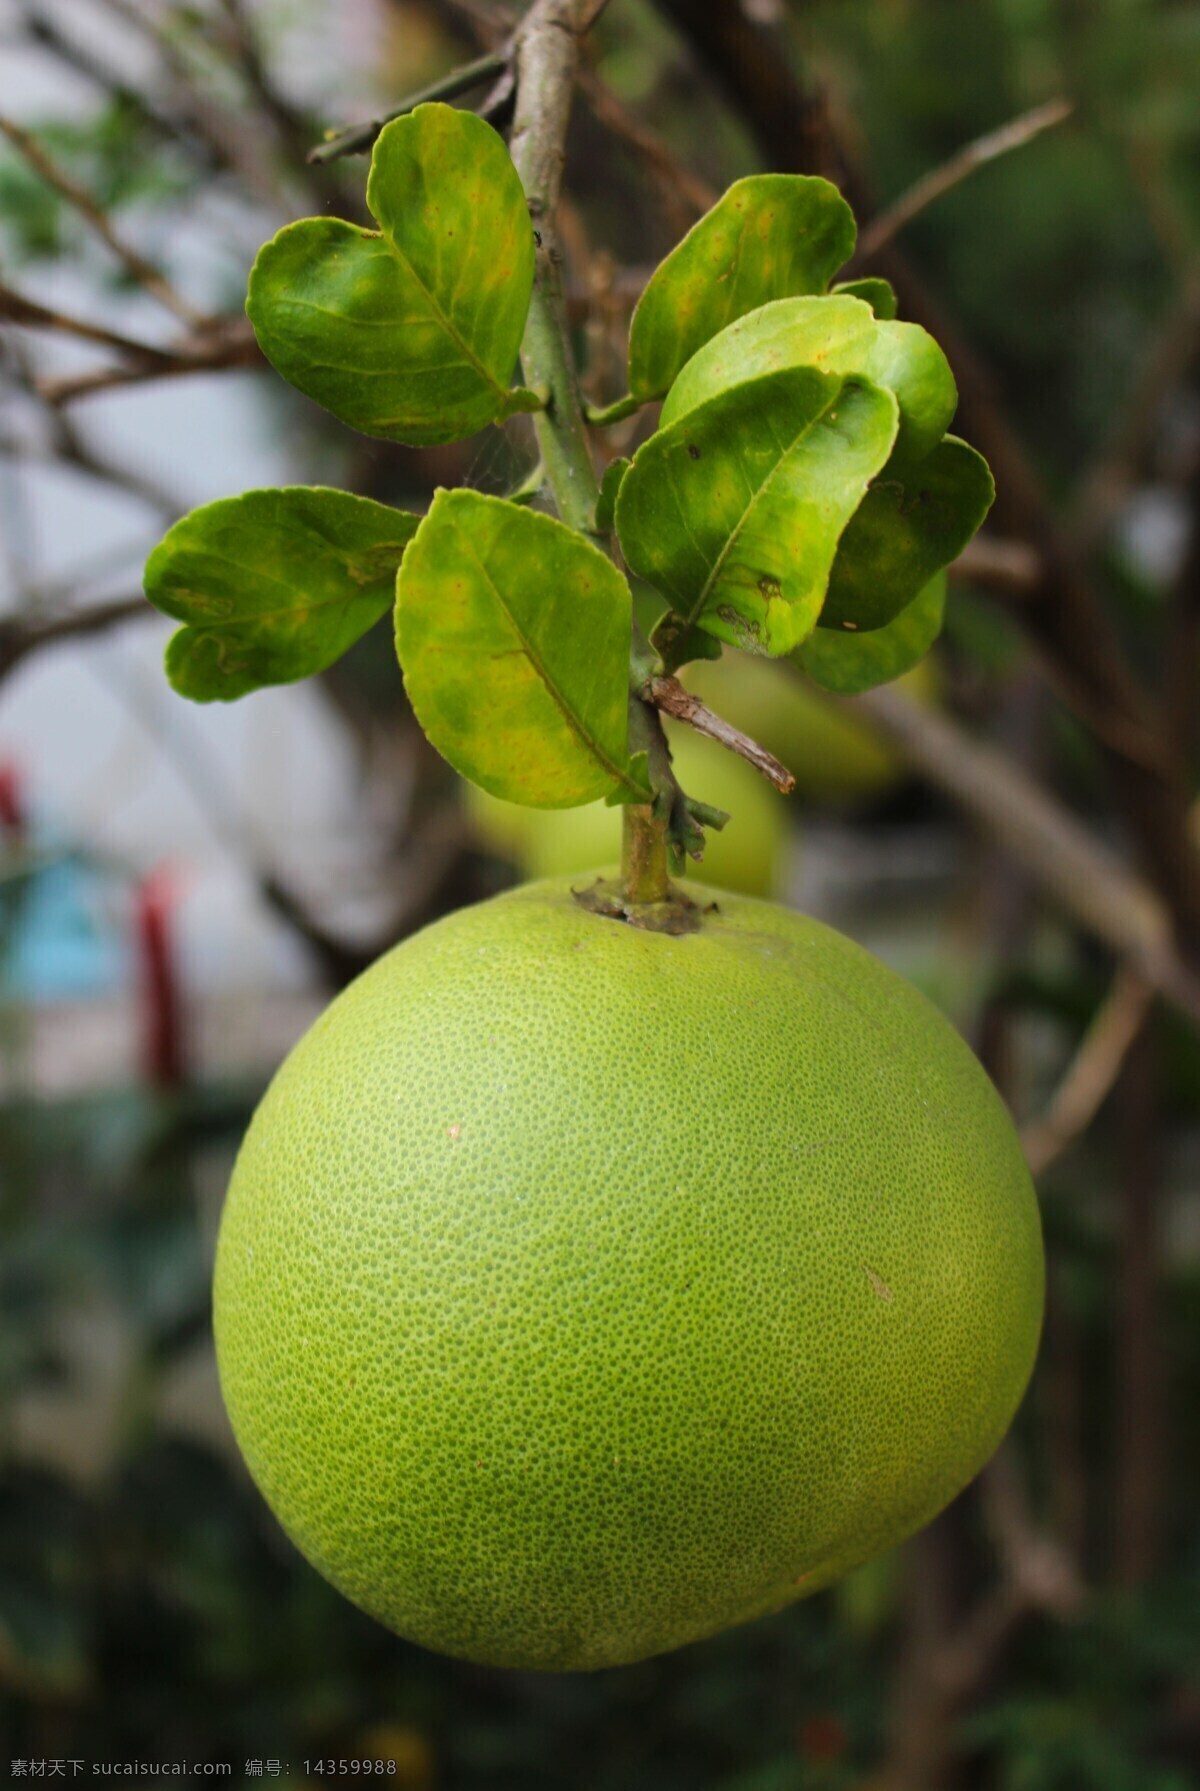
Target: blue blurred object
{"x": 57, "y": 940}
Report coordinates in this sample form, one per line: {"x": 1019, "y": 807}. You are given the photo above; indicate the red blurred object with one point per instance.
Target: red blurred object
{"x": 12, "y": 809}
{"x": 164, "y": 1058}
{"x": 822, "y": 1738}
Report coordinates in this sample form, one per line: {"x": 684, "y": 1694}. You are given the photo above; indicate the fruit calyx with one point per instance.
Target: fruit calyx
{"x": 673, "y": 913}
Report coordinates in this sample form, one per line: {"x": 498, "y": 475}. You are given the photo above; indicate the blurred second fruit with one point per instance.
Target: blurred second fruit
{"x": 748, "y": 857}
{"x": 834, "y": 755}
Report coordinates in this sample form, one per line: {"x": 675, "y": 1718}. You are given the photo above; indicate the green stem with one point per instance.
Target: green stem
{"x": 616, "y": 412}
{"x": 358, "y": 139}
{"x": 530, "y": 487}
{"x": 644, "y": 871}
{"x": 645, "y": 861}
{"x": 547, "y": 59}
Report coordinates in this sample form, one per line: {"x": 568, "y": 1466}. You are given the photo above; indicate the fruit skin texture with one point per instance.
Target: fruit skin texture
{"x": 582, "y": 1291}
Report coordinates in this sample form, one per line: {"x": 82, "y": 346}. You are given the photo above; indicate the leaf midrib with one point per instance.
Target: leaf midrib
{"x": 536, "y": 661}
{"x": 450, "y": 329}
{"x": 225, "y": 624}
{"x": 270, "y": 579}
{"x": 735, "y": 533}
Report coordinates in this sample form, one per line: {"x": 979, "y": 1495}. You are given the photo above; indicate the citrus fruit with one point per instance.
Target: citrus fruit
{"x": 834, "y": 754}
{"x": 583, "y": 1290}
{"x": 747, "y": 855}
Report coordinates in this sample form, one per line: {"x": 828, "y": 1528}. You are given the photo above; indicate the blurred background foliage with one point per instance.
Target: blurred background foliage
{"x": 1044, "y": 1635}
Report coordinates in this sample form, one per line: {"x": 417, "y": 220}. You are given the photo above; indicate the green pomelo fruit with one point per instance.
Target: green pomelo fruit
{"x": 583, "y": 1290}
{"x": 747, "y": 855}
{"x": 835, "y": 755}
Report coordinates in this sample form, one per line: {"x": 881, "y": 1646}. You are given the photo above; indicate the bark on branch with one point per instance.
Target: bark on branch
{"x": 669, "y": 695}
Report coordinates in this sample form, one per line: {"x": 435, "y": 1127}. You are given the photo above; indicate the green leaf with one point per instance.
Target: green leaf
{"x": 273, "y": 585}
{"x": 850, "y": 663}
{"x": 911, "y": 523}
{"x": 771, "y": 236}
{"x": 606, "y": 502}
{"x": 513, "y": 633}
{"x": 637, "y": 789}
{"x": 838, "y": 335}
{"x": 877, "y": 293}
{"x": 736, "y": 511}
{"x": 410, "y": 333}
{"x": 676, "y": 642}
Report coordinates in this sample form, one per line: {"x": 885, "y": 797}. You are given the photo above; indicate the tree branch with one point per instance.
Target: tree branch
{"x": 235, "y": 346}
{"x": 357, "y": 139}
{"x": 46, "y": 32}
{"x": 223, "y": 342}
{"x": 547, "y": 59}
{"x": 945, "y": 1668}
{"x": 1095, "y": 1068}
{"x": 547, "y": 62}
{"x": 684, "y": 194}
{"x": 232, "y": 135}
{"x": 675, "y": 181}
{"x": 293, "y": 129}
{"x": 1008, "y": 566}
{"x": 1108, "y": 482}
{"x": 1141, "y": 1419}
{"x": 22, "y": 635}
{"x": 150, "y": 278}
{"x": 669, "y": 695}
{"x": 15, "y": 308}
{"x": 1018, "y": 131}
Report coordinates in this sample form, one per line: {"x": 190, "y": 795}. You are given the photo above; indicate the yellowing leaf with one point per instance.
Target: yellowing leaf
{"x": 411, "y": 332}
{"x": 273, "y": 585}
{"x": 838, "y": 334}
{"x": 735, "y": 511}
{"x": 771, "y": 236}
{"x": 513, "y": 634}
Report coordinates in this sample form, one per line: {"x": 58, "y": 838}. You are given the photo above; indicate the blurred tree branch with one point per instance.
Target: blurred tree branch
{"x": 1076, "y": 872}
{"x": 222, "y": 342}
{"x": 150, "y": 278}
{"x": 239, "y": 138}
{"x": 65, "y": 445}
{"x": 999, "y": 565}
{"x": 947, "y": 1662}
{"x": 1091, "y": 1075}
{"x": 22, "y": 635}
{"x": 887, "y": 224}
{"x": 232, "y": 344}
{"x": 15, "y": 308}
{"x": 1183, "y": 631}
{"x": 290, "y": 124}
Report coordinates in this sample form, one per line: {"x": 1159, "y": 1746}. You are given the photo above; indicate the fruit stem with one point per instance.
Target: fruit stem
{"x": 644, "y": 875}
